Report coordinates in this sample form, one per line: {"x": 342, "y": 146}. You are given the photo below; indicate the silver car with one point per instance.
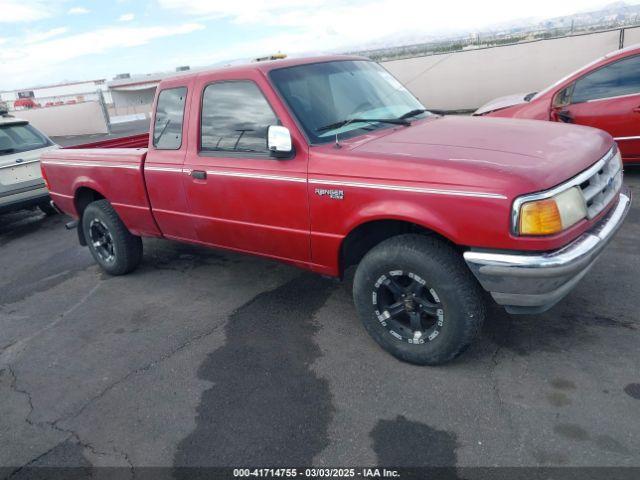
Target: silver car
{"x": 21, "y": 183}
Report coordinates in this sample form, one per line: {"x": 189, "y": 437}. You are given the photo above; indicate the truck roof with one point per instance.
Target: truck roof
{"x": 264, "y": 66}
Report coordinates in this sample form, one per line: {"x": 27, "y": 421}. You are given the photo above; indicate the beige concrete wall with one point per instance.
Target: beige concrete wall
{"x": 63, "y": 120}
{"x": 467, "y": 80}
{"x": 631, "y": 36}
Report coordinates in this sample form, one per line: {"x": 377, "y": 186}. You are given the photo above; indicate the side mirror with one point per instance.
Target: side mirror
{"x": 279, "y": 141}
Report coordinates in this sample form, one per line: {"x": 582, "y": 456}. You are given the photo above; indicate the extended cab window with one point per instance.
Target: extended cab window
{"x": 619, "y": 78}
{"x": 21, "y": 137}
{"x": 167, "y": 131}
{"x": 235, "y": 118}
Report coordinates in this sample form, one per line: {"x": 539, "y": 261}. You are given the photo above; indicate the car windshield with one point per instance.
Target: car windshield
{"x": 331, "y": 93}
{"x": 21, "y": 137}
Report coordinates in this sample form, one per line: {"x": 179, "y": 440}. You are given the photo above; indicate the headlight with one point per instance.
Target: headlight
{"x": 552, "y": 215}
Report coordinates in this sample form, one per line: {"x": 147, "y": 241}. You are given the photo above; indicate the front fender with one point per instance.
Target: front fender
{"x": 330, "y": 229}
{"x": 406, "y": 211}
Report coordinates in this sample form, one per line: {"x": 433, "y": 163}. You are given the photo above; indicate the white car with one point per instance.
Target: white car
{"x": 21, "y": 183}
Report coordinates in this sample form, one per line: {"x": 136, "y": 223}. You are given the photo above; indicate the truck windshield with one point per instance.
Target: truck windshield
{"x": 21, "y": 137}
{"x": 329, "y": 94}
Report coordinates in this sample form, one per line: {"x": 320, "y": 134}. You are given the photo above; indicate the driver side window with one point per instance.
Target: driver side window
{"x": 614, "y": 80}
{"x": 235, "y": 118}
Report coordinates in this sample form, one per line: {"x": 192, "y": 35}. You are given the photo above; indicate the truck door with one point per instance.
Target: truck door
{"x": 164, "y": 163}
{"x": 608, "y": 99}
{"x": 240, "y": 196}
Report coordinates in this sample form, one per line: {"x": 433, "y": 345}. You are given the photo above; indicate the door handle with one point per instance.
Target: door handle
{"x": 199, "y": 175}
{"x": 637, "y": 109}
{"x": 565, "y": 116}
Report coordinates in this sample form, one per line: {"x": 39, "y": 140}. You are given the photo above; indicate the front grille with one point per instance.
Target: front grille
{"x": 599, "y": 189}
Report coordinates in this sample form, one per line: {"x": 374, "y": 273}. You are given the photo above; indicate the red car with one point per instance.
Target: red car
{"x": 605, "y": 94}
{"x": 330, "y": 162}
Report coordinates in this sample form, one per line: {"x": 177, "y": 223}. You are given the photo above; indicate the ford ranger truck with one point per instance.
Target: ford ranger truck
{"x": 327, "y": 163}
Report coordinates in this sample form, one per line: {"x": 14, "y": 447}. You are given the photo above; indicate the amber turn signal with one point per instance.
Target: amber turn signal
{"x": 540, "y": 218}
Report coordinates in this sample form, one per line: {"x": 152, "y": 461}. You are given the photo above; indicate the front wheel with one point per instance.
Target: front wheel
{"x": 418, "y": 300}
{"x": 115, "y": 249}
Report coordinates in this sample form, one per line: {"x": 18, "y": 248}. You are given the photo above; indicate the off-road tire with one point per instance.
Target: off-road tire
{"x": 126, "y": 247}
{"x": 442, "y": 267}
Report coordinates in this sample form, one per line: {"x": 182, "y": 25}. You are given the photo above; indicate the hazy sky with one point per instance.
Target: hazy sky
{"x": 48, "y": 41}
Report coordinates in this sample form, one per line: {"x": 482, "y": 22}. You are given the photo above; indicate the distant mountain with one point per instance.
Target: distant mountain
{"x": 610, "y": 16}
{"x": 614, "y": 13}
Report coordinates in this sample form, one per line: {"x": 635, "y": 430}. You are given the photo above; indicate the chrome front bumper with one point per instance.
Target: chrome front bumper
{"x": 533, "y": 283}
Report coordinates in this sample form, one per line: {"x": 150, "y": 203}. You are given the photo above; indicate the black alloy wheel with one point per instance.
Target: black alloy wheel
{"x": 102, "y": 241}
{"x": 409, "y": 309}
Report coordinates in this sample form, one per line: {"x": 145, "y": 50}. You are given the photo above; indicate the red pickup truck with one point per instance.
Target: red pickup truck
{"x": 327, "y": 163}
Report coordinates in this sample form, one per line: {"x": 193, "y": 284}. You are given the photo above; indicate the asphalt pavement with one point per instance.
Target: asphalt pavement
{"x": 205, "y": 358}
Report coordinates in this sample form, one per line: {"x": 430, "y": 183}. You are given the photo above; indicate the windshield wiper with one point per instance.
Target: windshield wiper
{"x": 342, "y": 123}
{"x": 413, "y": 113}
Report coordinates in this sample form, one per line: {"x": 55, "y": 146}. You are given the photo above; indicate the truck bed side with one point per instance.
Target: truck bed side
{"x": 132, "y": 141}
{"x": 115, "y": 174}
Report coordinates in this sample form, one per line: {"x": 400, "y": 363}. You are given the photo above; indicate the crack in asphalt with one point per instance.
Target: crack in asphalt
{"x": 143, "y": 369}
{"x": 31, "y": 462}
{"x": 55, "y": 424}
{"x": 70, "y": 434}
{"x": 13, "y": 351}
{"x": 13, "y": 385}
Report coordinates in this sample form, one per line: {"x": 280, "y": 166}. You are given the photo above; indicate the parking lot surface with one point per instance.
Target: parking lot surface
{"x": 202, "y": 357}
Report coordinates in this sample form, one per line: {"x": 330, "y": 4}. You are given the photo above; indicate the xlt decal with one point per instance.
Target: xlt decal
{"x": 332, "y": 193}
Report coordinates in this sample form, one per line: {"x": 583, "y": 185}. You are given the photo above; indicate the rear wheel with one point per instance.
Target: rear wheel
{"x": 115, "y": 249}
{"x": 418, "y": 300}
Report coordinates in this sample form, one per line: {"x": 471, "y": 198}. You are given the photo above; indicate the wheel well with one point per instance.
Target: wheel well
{"x": 84, "y": 196}
{"x": 366, "y": 236}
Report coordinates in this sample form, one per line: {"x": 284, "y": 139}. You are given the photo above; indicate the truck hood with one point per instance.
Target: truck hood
{"x": 502, "y": 102}
{"x": 489, "y": 151}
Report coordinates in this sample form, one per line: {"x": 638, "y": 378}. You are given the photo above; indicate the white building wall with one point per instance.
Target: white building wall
{"x": 79, "y": 92}
{"x": 8, "y": 96}
{"x": 68, "y": 90}
{"x": 132, "y": 98}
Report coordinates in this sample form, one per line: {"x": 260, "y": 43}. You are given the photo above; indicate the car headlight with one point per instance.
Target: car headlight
{"x": 551, "y": 215}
